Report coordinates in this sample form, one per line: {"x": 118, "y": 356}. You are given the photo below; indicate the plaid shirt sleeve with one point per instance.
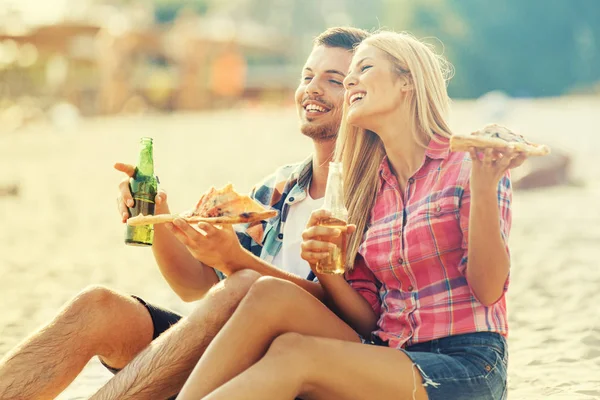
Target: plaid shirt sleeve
{"x": 363, "y": 281}
{"x": 504, "y": 205}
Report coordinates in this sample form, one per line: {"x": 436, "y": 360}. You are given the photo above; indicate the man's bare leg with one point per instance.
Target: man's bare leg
{"x": 97, "y": 321}
{"x": 160, "y": 370}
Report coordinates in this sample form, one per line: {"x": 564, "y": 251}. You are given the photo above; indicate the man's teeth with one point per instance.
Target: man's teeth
{"x": 356, "y": 96}
{"x": 314, "y": 107}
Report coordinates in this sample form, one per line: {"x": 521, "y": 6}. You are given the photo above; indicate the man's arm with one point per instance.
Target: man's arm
{"x": 188, "y": 277}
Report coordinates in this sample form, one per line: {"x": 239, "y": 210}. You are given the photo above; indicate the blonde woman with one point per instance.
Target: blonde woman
{"x": 431, "y": 263}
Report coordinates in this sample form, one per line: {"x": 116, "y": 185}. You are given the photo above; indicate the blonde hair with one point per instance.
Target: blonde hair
{"x": 361, "y": 151}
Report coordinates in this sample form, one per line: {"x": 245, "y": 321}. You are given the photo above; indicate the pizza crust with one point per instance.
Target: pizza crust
{"x": 464, "y": 143}
{"x": 246, "y": 217}
{"x": 497, "y": 137}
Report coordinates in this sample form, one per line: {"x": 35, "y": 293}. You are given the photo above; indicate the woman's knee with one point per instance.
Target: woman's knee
{"x": 291, "y": 351}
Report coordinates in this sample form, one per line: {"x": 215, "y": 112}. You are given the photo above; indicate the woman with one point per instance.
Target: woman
{"x": 430, "y": 271}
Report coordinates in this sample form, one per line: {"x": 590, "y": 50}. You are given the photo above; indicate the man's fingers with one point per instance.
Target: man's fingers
{"x": 125, "y": 192}
{"x": 161, "y": 197}
{"x": 186, "y": 229}
{"x": 126, "y": 168}
{"x": 178, "y": 233}
{"x": 208, "y": 228}
{"x": 123, "y": 211}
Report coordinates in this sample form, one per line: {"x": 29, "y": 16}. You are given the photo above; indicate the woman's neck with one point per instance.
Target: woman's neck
{"x": 404, "y": 152}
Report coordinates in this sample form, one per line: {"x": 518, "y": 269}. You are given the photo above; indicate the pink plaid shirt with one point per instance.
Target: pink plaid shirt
{"x": 411, "y": 264}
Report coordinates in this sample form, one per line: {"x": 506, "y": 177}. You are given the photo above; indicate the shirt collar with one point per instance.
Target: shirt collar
{"x": 303, "y": 173}
{"x": 437, "y": 149}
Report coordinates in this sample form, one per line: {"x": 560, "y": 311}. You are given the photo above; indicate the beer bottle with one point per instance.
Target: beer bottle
{"x": 143, "y": 186}
{"x": 335, "y": 204}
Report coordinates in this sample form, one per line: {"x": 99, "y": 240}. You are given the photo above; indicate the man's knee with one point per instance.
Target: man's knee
{"x": 94, "y": 298}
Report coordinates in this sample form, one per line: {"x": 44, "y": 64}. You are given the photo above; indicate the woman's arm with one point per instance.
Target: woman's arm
{"x": 489, "y": 220}
{"x": 341, "y": 296}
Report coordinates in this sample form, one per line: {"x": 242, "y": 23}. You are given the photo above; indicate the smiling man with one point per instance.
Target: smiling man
{"x": 154, "y": 348}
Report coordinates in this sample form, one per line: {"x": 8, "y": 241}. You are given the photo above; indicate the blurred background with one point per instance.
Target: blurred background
{"x": 212, "y": 82}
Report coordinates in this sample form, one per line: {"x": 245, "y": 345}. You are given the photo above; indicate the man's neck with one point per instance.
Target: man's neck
{"x": 323, "y": 154}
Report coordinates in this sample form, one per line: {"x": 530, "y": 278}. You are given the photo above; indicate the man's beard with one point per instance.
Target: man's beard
{"x": 320, "y": 133}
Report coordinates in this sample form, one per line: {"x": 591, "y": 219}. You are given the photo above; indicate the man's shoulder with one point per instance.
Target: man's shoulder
{"x": 280, "y": 181}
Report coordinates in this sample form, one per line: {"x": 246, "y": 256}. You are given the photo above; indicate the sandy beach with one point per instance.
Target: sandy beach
{"x": 62, "y": 232}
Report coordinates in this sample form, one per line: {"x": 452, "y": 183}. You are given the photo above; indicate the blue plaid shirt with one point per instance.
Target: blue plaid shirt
{"x": 279, "y": 191}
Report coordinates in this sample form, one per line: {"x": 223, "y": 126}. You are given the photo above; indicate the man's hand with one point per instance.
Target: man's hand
{"x": 125, "y": 200}
{"x": 212, "y": 245}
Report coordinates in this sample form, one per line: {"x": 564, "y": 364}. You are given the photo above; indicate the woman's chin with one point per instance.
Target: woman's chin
{"x": 358, "y": 120}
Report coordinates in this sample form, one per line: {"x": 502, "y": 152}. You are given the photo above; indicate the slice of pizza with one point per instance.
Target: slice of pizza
{"x": 497, "y": 137}
{"x": 220, "y": 207}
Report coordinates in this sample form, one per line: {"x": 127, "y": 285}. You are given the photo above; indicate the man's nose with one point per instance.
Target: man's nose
{"x": 314, "y": 87}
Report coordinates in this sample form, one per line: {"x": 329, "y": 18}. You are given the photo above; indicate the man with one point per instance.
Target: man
{"x": 120, "y": 328}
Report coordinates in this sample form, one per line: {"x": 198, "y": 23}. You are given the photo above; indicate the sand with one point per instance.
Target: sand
{"x": 62, "y": 232}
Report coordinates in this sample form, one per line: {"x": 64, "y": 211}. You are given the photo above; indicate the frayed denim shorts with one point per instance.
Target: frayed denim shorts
{"x": 471, "y": 366}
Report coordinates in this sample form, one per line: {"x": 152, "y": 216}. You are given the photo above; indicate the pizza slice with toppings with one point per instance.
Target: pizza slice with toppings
{"x": 497, "y": 137}
{"x": 217, "y": 206}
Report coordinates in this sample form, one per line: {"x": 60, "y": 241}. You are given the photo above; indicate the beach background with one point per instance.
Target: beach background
{"x": 62, "y": 232}
{"x": 212, "y": 82}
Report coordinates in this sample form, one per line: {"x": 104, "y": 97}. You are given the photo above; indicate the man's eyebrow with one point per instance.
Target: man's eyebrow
{"x": 335, "y": 71}
{"x": 329, "y": 71}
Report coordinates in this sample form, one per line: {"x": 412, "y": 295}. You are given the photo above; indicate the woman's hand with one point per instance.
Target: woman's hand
{"x": 317, "y": 240}
{"x": 490, "y": 165}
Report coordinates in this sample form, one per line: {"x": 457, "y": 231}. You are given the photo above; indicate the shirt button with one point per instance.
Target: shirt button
{"x": 438, "y": 208}
{"x": 411, "y": 180}
{"x": 400, "y": 261}
{"x": 280, "y": 236}
{"x": 410, "y": 288}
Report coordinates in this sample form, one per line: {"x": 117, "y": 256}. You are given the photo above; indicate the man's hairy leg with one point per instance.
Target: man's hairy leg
{"x": 162, "y": 368}
{"x": 97, "y": 321}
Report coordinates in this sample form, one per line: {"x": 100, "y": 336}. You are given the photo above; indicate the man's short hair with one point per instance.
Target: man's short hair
{"x": 344, "y": 37}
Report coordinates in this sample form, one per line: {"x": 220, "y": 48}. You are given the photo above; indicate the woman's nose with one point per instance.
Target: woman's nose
{"x": 349, "y": 81}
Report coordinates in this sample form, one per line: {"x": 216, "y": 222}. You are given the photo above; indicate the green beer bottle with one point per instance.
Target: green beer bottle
{"x": 143, "y": 186}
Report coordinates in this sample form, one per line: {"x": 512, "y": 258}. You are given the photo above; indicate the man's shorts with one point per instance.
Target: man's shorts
{"x": 162, "y": 319}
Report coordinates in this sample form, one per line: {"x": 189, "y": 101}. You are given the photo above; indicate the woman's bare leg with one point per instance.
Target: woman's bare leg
{"x": 271, "y": 308}
{"x": 320, "y": 368}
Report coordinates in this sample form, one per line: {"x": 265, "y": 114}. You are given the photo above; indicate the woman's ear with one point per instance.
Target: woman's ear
{"x": 406, "y": 83}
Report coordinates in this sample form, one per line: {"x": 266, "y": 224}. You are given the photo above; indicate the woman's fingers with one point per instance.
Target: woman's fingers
{"x": 317, "y": 216}
{"x": 317, "y": 246}
{"x": 320, "y": 231}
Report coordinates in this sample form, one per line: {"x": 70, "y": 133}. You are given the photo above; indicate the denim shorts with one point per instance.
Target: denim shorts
{"x": 471, "y": 366}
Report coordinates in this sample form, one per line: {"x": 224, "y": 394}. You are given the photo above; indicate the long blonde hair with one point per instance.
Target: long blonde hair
{"x": 361, "y": 151}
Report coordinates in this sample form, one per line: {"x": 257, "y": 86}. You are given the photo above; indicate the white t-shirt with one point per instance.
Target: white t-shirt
{"x": 288, "y": 257}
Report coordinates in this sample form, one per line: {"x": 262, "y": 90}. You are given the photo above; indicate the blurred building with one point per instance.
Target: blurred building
{"x": 121, "y": 60}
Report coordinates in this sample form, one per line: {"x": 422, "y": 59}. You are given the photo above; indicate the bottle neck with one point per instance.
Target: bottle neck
{"x": 145, "y": 165}
{"x": 334, "y": 193}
